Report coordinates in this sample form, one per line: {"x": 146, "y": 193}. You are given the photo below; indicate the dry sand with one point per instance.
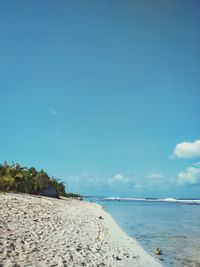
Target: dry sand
{"x": 39, "y": 231}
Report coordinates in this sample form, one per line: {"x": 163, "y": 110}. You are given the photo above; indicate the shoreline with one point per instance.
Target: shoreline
{"x": 41, "y": 231}
{"x": 137, "y": 255}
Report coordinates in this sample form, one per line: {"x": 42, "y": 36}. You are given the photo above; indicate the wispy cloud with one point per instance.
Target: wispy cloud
{"x": 52, "y": 111}
{"x": 118, "y": 178}
{"x": 87, "y": 182}
{"x": 196, "y": 164}
{"x": 190, "y": 176}
{"x": 158, "y": 179}
{"x": 187, "y": 149}
{"x": 86, "y": 178}
{"x": 155, "y": 175}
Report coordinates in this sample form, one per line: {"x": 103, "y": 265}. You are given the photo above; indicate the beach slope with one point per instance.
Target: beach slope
{"x": 40, "y": 231}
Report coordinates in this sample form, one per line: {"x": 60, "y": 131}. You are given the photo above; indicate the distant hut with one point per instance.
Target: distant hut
{"x": 49, "y": 191}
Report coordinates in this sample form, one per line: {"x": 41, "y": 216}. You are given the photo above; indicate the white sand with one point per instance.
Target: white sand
{"x": 39, "y": 231}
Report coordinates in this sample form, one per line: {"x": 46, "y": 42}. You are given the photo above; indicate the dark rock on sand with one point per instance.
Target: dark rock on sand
{"x": 50, "y": 191}
{"x": 157, "y": 251}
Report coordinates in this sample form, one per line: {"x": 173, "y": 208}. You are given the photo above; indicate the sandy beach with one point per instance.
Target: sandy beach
{"x": 40, "y": 231}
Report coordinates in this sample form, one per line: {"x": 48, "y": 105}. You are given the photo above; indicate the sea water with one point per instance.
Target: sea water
{"x": 172, "y": 226}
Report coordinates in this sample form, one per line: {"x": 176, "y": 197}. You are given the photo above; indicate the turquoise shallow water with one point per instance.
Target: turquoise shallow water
{"x": 173, "y": 227}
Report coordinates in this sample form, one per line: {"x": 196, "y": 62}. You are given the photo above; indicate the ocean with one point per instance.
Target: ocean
{"x": 168, "y": 224}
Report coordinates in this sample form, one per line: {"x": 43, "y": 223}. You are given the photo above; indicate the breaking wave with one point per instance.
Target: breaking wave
{"x": 175, "y": 200}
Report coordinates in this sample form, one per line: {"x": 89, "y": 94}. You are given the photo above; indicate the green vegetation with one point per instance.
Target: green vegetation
{"x": 15, "y": 178}
{"x": 72, "y": 195}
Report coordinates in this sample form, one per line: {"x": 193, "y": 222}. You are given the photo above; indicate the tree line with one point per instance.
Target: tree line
{"x": 15, "y": 178}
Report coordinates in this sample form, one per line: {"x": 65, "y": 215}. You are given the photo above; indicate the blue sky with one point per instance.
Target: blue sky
{"x": 103, "y": 94}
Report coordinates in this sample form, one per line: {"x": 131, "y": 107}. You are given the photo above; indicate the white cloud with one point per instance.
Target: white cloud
{"x": 86, "y": 179}
{"x": 155, "y": 175}
{"x": 118, "y": 178}
{"x": 187, "y": 149}
{"x": 88, "y": 183}
{"x": 154, "y": 180}
{"x": 190, "y": 176}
